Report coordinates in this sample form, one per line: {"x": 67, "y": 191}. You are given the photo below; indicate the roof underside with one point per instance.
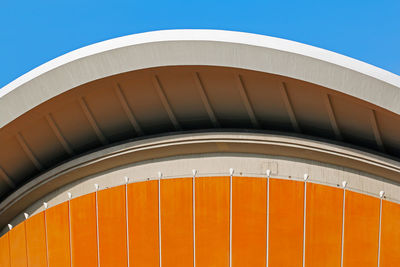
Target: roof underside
{"x": 184, "y": 98}
{"x": 184, "y": 80}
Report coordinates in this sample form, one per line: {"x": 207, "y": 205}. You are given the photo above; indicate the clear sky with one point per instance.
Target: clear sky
{"x": 34, "y": 32}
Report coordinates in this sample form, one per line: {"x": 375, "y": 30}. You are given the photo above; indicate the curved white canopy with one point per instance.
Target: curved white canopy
{"x": 200, "y": 47}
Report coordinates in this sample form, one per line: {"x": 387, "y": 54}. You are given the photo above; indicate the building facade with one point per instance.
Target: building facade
{"x": 200, "y": 148}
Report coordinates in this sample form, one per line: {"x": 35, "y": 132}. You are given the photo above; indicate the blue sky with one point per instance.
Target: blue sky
{"x": 34, "y": 32}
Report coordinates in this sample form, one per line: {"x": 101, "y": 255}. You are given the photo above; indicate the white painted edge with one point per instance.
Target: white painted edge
{"x": 251, "y": 43}
{"x": 381, "y": 195}
{"x": 268, "y": 172}
{"x": 160, "y": 175}
{"x": 127, "y": 220}
{"x": 344, "y": 184}
{"x": 207, "y": 35}
{"x": 194, "y": 215}
{"x": 96, "y": 186}
{"x": 304, "y": 218}
{"x": 231, "y": 171}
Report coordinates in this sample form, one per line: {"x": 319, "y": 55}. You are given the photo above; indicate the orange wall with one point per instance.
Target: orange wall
{"x": 5, "y": 251}
{"x": 212, "y": 221}
{"x": 390, "y": 234}
{"x": 69, "y": 230}
{"x": 286, "y": 209}
{"x": 249, "y": 220}
{"x": 58, "y": 242}
{"x": 112, "y": 227}
{"x": 323, "y": 225}
{"x": 36, "y": 240}
{"x": 361, "y": 230}
{"x": 18, "y": 246}
{"x": 176, "y": 222}
{"x": 143, "y": 224}
{"x": 84, "y": 243}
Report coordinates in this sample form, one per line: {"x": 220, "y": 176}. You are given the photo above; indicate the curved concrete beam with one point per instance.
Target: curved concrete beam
{"x": 199, "y": 47}
{"x": 191, "y": 144}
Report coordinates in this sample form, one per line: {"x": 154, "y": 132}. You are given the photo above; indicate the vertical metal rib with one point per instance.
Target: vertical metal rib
{"x": 165, "y": 102}
{"x": 127, "y": 222}
{"x": 230, "y": 217}
{"x": 29, "y": 152}
{"x": 194, "y": 216}
{"x": 332, "y": 117}
{"x": 46, "y": 236}
{"x": 267, "y": 245}
{"x": 246, "y": 101}
{"x": 124, "y": 104}
{"x": 6, "y": 178}
{"x": 92, "y": 121}
{"x": 70, "y": 234}
{"x": 375, "y": 129}
{"x": 380, "y": 232}
{"x": 59, "y": 135}
{"x": 343, "y": 220}
{"x": 304, "y": 223}
{"x": 205, "y": 100}
{"x": 159, "y": 219}
{"x": 289, "y": 107}
{"x": 97, "y": 227}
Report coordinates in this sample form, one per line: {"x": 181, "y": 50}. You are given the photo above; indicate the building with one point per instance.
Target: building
{"x": 200, "y": 148}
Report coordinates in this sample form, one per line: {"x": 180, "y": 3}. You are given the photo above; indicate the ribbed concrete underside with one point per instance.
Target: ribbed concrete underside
{"x": 163, "y": 100}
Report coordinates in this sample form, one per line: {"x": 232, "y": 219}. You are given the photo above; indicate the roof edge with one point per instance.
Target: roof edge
{"x": 207, "y": 35}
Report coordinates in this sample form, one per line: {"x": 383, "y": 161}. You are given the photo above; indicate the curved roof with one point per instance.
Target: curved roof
{"x": 170, "y": 81}
{"x": 200, "y": 47}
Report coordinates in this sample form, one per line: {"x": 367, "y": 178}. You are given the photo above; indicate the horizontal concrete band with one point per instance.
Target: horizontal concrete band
{"x": 210, "y": 220}
{"x": 194, "y": 144}
{"x": 199, "y": 47}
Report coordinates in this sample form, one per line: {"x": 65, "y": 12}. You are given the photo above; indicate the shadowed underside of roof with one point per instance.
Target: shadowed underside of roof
{"x": 177, "y": 81}
{"x": 186, "y": 98}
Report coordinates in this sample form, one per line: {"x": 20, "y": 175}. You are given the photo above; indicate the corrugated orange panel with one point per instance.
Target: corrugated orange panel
{"x": 143, "y": 223}
{"x": 57, "y": 222}
{"x": 361, "y": 230}
{"x": 212, "y": 221}
{"x": 176, "y": 222}
{"x": 84, "y": 231}
{"x": 249, "y": 221}
{"x": 18, "y": 246}
{"x": 323, "y": 225}
{"x": 36, "y": 240}
{"x": 112, "y": 227}
{"x": 286, "y": 209}
{"x": 390, "y": 234}
{"x": 4, "y": 251}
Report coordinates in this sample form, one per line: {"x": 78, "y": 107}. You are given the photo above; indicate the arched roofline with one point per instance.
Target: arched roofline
{"x": 199, "y": 47}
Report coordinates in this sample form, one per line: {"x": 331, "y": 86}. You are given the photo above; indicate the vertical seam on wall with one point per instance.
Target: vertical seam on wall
{"x": 26, "y": 245}
{"x": 343, "y": 215}
{"x": 97, "y": 230}
{"x": 230, "y": 221}
{"x": 380, "y": 227}
{"x": 194, "y": 218}
{"x": 159, "y": 220}
{"x": 267, "y": 241}
{"x": 127, "y": 223}
{"x": 304, "y": 223}
{"x": 70, "y": 234}
{"x": 46, "y": 237}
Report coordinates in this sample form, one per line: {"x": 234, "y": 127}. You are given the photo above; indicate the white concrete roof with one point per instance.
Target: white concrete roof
{"x": 199, "y": 47}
